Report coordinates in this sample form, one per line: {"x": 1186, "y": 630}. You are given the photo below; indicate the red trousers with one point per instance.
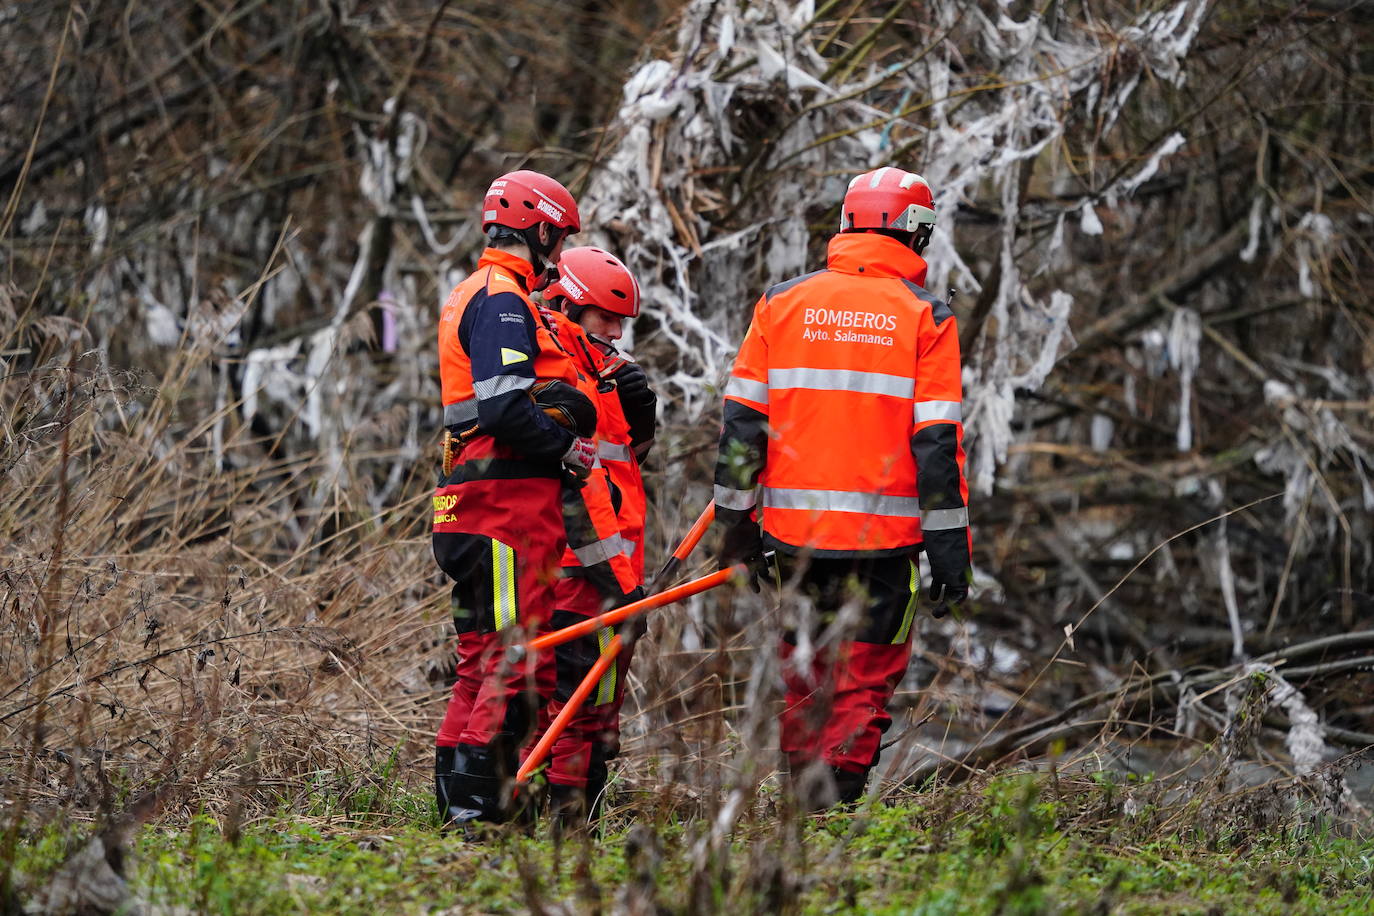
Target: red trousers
{"x": 501, "y": 541}
{"x": 836, "y": 707}
{"x": 593, "y": 735}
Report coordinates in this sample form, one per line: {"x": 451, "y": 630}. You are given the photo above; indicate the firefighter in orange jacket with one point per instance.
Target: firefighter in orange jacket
{"x": 842, "y": 435}
{"x": 594, "y": 295}
{"x": 498, "y": 527}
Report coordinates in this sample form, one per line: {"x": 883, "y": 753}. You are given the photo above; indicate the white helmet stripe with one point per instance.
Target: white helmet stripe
{"x": 551, "y": 202}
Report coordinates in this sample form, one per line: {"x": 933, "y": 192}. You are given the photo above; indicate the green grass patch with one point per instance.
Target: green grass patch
{"x": 1009, "y": 847}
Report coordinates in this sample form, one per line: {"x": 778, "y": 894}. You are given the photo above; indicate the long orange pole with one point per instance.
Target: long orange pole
{"x": 689, "y": 543}
{"x": 611, "y": 618}
{"x": 544, "y": 745}
{"x": 565, "y": 715}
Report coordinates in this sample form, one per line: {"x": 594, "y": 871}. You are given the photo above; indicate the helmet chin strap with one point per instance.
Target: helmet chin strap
{"x": 541, "y": 279}
{"x": 544, "y": 271}
{"x": 615, "y": 357}
{"x": 922, "y": 238}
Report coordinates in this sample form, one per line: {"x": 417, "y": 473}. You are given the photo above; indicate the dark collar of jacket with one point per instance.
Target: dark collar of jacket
{"x": 510, "y": 262}
{"x": 874, "y": 255}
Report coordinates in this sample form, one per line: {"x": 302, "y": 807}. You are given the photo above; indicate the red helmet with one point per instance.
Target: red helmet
{"x": 594, "y": 276}
{"x": 887, "y": 198}
{"x": 523, "y": 199}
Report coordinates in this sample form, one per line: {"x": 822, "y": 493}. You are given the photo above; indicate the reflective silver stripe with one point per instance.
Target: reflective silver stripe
{"x": 460, "y": 413}
{"x": 609, "y": 451}
{"x": 598, "y": 551}
{"x": 841, "y": 501}
{"x": 944, "y": 519}
{"x": 854, "y": 380}
{"x": 939, "y": 410}
{"x": 748, "y": 389}
{"x": 500, "y": 384}
{"x": 735, "y": 499}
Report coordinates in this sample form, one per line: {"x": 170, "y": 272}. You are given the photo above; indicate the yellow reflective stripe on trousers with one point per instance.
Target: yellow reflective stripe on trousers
{"x": 605, "y": 691}
{"x": 503, "y": 584}
{"x": 905, "y": 630}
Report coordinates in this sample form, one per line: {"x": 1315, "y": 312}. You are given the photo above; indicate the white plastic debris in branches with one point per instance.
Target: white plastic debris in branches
{"x": 267, "y": 371}
{"x": 677, "y": 122}
{"x": 1318, "y": 438}
{"x": 36, "y": 220}
{"x": 1151, "y": 166}
{"x": 1226, "y": 580}
{"x": 1166, "y": 37}
{"x": 1088, "y": 220}
{"x": 1185, "y": 341}
{"x": 1252, "y": 244}
{"x": 1313, "y": 245}
{"x": 686, "y": 168}
{"x": 159, "y": 321}
{"x": 1306, "y": 738}
{"x": 97, "y": 222}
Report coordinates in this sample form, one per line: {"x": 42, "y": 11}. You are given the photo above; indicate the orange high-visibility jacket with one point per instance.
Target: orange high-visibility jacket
{"x": 843, "y": 407}
{"x": 493, "y": 348}
{"x": 617, "y": 453}
{"x": 598, "y": 546}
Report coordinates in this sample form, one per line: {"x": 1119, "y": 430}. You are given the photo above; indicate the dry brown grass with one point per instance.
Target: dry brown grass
{"x": 186, "y": 609}
{"x": 193, "y": 619}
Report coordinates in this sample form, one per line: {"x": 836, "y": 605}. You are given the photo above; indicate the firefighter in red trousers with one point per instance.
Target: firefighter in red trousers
{"x": 594, "y": 295}
{"x": 516, "y": 425}
{"x": 842, "y": 435}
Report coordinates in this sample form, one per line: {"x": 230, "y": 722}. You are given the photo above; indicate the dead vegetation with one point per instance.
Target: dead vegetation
{"x": 226, "y": 229}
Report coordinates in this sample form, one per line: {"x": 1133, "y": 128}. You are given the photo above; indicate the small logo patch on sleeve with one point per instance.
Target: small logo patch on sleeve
{"x": 509, "y": 356}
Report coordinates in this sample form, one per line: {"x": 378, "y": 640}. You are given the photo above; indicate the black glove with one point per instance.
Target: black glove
{"x": 947, "y": 591}
{"x": 634, "y": 628}
{"x": 743, "y": 543}
{"x": 568, "y": 407}
{"x": 635, "y": 594}
{"x": 638, "y": 401}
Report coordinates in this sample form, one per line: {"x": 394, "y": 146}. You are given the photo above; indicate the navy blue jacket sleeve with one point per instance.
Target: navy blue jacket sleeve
{"x": 498, "y": 333}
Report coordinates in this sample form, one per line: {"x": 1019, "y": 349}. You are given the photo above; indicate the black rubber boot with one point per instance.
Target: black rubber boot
{"x": 849, "y": 786}
{"x": 443, "y": 774}
{"x": 809, "y": 785}
{"x": 467, "y": 787}
{"x": 567, "y": 807}
{"x": 597, "y": 774}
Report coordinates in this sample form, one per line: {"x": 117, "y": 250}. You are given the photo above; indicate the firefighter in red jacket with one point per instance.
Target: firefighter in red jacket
{"x": 842, "y": 436}
{"x": 594, "y": 295}
{"x": 498, "y": 526}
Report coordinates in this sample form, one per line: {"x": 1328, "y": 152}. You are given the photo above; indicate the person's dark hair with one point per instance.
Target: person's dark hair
{"x": 505, "y": 237}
